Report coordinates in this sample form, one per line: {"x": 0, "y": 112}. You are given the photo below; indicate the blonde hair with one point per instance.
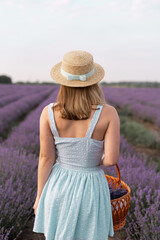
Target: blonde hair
{"x": 75, "y": 103}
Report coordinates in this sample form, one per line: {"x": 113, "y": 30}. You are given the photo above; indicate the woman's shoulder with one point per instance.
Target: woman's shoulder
{"x": 109, "y": 107}
{"x": 110, "y": 111}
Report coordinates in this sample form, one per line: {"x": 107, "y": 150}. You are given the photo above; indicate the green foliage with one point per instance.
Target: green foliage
{"x": 5, "y": 79}
{"x": 154, "y": 84}
{"x": 126, "y": 110}
{"x": 137, "y": 133}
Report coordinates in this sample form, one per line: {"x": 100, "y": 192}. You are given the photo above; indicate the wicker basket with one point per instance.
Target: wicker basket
{"x": 120, "y": 206}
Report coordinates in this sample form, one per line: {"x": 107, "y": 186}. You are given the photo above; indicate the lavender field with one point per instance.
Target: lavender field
{"x": 19, "y": 149}
{"x": 142, "y": 102}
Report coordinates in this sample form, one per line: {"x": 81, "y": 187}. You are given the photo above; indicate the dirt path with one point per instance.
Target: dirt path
{"x": 28, "y": 234}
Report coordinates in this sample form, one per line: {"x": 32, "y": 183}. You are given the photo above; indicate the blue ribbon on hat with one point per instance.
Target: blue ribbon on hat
{"x": 82, "y": 77}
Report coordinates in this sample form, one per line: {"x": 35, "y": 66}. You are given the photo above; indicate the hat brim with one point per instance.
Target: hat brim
{"x": 59, "y": 78}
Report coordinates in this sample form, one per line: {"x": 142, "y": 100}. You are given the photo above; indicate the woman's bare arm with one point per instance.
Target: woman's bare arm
{"x": 47, "y": 153}
{"x": 112, "y": 139}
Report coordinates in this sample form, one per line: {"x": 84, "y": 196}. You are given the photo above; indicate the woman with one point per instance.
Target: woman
{"x": 73, "y": 198}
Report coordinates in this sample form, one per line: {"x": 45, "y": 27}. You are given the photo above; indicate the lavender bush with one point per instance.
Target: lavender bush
{"x": 17, "y": 109}
{"x": 17, "y": 192}
{"x": 142, "y": 102}
{"x": 19, "y": 92}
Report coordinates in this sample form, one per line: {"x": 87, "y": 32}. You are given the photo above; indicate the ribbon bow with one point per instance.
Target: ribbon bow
{"x": 82, "y": 77}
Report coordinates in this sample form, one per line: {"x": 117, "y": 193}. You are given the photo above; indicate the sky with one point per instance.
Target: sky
{"x": 122, "y": 35}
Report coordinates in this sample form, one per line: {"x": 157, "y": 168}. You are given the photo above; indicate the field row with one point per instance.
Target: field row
{"x": 142, "y": 102}
{"x": 17, "y": 109}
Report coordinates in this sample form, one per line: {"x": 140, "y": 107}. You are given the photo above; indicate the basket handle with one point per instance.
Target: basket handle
{"x": 119, "y": 175}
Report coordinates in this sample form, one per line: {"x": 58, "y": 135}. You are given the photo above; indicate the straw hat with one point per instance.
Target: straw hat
{"x": 77, "y": 69}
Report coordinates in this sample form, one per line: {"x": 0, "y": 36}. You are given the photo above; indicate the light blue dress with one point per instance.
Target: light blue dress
{"x": 75, "y": 201}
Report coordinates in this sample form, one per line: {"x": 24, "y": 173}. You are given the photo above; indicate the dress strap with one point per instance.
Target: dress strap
{"x": 91, "y": 126}
{"x": 94, "y": 121}
{"x": 52, "y": 120}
